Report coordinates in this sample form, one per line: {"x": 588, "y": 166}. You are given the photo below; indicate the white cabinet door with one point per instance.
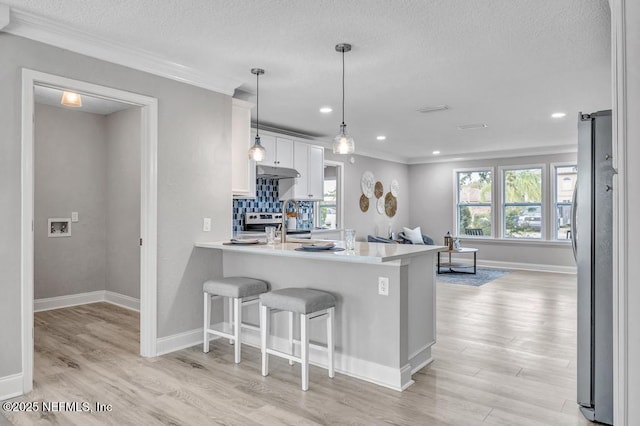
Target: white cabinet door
{"x": 308, "y": 160}
{"x": 278, "y": 151}
{"x": 243, "y": 170}
{"x": 300, "y": 163}
{"x": 315, "y": 173}
{"x": 269, "y": 144}
{"x": 284, "y": 152}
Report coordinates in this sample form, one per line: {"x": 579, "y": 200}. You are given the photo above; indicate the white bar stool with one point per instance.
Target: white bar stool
{"x": 240, "y": 291}
{"x": 309, "y": 304}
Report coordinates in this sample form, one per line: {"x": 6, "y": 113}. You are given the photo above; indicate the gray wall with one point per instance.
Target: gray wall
{"x": 90, "y": 164}
{"x": 123, "y": 202}
{"x": 70, "y": 175}
{"x": 432, "y": 208}
{"x": 194, "y": 181}
{"x": 371, "y": 222}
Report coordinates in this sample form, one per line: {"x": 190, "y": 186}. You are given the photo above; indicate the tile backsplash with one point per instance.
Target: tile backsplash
{"x": 267, "y": 201}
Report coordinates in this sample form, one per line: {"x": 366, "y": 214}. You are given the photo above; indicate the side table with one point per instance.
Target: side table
{"x": 450, "y": 264}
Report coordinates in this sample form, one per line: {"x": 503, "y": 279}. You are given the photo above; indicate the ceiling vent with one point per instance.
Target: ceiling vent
{"x": 471, "y": 126}
{"x": 433, "y": 108}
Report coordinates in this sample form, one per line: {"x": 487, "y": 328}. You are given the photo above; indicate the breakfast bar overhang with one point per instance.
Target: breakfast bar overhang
{"x": 382, "y": 339}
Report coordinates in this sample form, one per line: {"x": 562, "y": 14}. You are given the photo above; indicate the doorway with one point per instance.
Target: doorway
{"x": 147, "y": 201}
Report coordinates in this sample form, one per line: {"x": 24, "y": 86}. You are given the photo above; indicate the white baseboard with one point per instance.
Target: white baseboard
{"x": 11, "y": 386}
{"x": 67, "y": 301}
{"x": 397, "y": 379}
{"x": 175, "y": 342}
{"x": 122, "y": 300}
{"x": 528, "y": 266}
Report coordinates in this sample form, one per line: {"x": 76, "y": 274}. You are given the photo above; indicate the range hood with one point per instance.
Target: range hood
{"x": 276, "y": 172}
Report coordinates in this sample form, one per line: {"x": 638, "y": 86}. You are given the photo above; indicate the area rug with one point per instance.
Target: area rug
{"x": 483, "y": 276}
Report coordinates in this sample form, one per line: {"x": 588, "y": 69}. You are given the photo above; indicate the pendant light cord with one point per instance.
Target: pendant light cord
{"x": 258, "y": 105}
{"x": 343, "y": 86}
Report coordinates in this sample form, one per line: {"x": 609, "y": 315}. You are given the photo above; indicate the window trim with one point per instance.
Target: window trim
{"x": 339, "y": 199}
{"x": 544, "y": 193}
{"x": 554, "y": 197}
{"x": 456, "y": 221}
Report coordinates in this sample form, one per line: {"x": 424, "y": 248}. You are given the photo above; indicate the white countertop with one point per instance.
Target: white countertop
{"x": 364, "y": 252}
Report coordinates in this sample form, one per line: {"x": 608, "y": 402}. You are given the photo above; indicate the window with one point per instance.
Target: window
{"x": 565, "y": 181}
{"x": 474, "y": 211}
{"x": 522, "y": 203}
{"x": 327, "y": 209}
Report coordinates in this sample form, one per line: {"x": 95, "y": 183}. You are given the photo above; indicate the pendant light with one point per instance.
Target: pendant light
{"x": 343, "y": 143}
{"x": 71, "y": 99}
{"x": 257, "y": 151}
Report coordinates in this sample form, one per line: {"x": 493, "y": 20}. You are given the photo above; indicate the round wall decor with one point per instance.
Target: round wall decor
{"x": 366, "y": 184}
{"x": 364, "y": 203}
{"x": 380, "y": 205}
{"x": 390, "y": 204}
{"x": 378, "y": 189}
{"x": 395, "y": 187}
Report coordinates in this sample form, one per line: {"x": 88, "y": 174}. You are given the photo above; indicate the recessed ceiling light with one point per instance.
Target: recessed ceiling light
{"x": 436, "y": 152}
{"x": 326, "y": 110}
{"x": 558, "y": 114}
{"x": 432, "y": 108}
{"x": 471, "y": 126}
{"x": 381, "y": 137}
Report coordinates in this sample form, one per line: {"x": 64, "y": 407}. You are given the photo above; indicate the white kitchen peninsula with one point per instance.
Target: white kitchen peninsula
{"x": 383, "y": 339}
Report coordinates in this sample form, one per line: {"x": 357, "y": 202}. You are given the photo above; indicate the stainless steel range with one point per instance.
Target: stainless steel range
{"x": 256, "y": 222}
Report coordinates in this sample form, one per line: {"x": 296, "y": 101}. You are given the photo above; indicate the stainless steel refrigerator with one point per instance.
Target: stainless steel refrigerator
{"x": 592, "y": 228}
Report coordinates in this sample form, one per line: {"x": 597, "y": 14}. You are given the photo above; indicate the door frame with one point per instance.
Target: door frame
{"x": 148, "y": 208}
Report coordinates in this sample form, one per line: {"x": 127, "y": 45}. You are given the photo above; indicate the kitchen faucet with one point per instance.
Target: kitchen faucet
{"x": 283, "y": 231}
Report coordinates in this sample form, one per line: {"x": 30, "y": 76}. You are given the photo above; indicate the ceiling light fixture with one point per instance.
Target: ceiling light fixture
{"x": 71, "y": 99}
{"x": 326, "y": 110}
{"x": 343, "y": 143}
{"x": 257, "y": 151}
{"x": 558, "y": 114}
{"x": 471, "y": 126}
{"x": 381, "y": 137}
{"x": 433, "y": 108}
{"x": 436, "y": 152}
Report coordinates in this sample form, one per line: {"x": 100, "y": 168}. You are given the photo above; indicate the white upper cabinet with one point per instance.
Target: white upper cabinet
{"x": 278, "y": 151}
{"x": 316, "y": 172}
{"x": 243, "y": 170}
{"x": 308, "y": 160}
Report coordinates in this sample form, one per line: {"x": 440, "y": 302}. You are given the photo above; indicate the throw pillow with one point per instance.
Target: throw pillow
{"x": 415, "y": 235}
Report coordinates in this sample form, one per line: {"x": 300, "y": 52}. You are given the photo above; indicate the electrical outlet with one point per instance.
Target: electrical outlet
{"x": 206, "y": 224}
{"x": 74, "y": 216}
{"x": 383, "y": 286}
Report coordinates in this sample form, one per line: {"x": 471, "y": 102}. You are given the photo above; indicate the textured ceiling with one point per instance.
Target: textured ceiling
{"x": 506, "y": 63}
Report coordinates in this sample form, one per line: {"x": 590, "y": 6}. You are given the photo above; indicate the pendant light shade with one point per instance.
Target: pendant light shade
{"x": 71, "y": 99}
{"x": 343, "y": 143}
{"x": 257, "y": 151}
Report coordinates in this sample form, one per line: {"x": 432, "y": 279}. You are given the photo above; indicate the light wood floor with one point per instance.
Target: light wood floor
{"x": 505, "y": 356}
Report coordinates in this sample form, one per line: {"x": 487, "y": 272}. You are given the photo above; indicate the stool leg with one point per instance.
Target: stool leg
{"x": 230, "y": 317}
{"x": 304, "y": 350}
{"x": 237, "y": 320}
{"x": 207, "y": 321}
{"x": 330, "y": 343}
{"x": 264, "y": 332}
{"x": 291, "y": 348}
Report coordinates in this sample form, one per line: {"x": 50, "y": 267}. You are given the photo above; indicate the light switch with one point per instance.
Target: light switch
{"x": 206, "y": 224}
{"x": 74, "y": 216}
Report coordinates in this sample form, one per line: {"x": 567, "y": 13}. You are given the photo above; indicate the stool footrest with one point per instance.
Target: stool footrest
{"x": 225, "y": 329}
{"x": 284, "y": 355}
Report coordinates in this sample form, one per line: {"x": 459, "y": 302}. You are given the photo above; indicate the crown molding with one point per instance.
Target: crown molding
{"x": 47, "y": 31}
{"x": 5, "y": 16}
{"x": 507, "y": 153}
